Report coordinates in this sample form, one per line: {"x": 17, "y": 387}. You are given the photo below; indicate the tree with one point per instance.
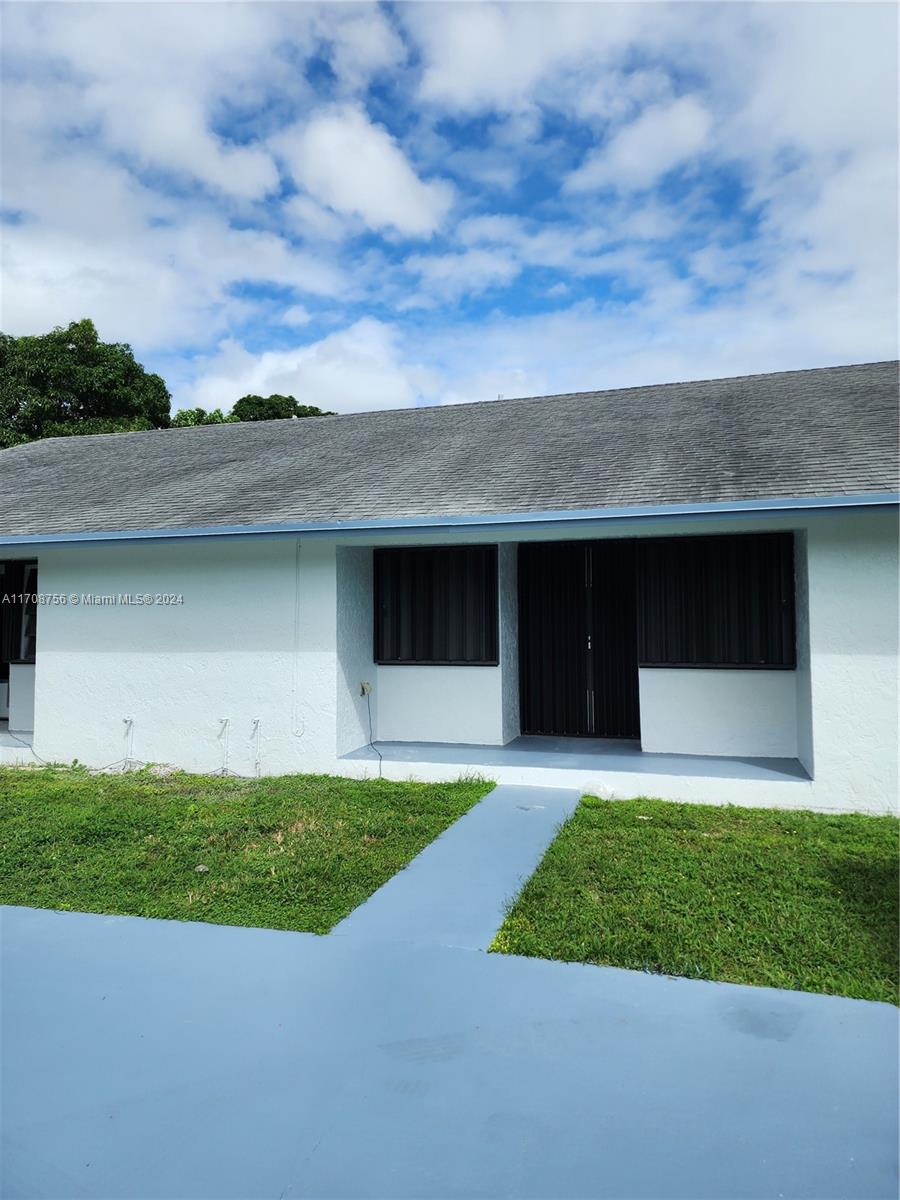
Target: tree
{"x": 69, "y": 382}
{"x": 273, "y": 408}
{"x": 199, "y": 416}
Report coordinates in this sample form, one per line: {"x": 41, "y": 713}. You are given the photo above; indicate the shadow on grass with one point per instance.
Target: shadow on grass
{"x": 869, "y": 891}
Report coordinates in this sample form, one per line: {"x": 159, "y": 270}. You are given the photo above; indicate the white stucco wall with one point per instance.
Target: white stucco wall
{"x": 262, "y": 637}
{"x": 804, "y": 719}
{"x": 727, "y": 712}
{"x": 355, "y": 664}
{"x": 440, "y": 704}
{"x": 20, "y": 696}
{"x": 253, "y": 641}
{"x": 853, "y": 631}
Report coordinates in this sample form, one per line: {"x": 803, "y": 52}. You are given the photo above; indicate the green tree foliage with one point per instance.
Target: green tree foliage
{"x": 273, "y": 408}
{"x": 69, "y": 382}
{"x": 199, "y": 416}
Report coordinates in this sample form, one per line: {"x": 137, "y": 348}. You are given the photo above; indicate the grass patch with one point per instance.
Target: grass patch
{"x": 782, "y": 899}
{"x": 294, "y": 852}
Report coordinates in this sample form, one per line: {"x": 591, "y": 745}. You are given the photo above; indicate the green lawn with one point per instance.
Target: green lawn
{"x": 294, "y": 852}
{"x": 789, "y": 900}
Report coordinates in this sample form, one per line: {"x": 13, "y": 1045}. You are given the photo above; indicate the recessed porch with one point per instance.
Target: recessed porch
{"x": 15, "y": 747}
{"x": 601, "y": 767}
{"x": 669, "y": 667}
{"x": 582, "y": 754}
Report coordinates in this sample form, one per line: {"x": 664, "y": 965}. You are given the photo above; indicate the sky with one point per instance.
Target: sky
{"x": 374, "y": 206}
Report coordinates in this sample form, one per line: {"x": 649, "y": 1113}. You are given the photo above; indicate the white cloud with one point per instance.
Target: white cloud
{"x": 661, "y": 138}
{"x": 151, "y": 79}
{"x": 145, "y": 78}
{"x": 775, "y": 323}
{"x": 356, "y": 369}
{"x": 311, "y": 220}
{"x": 363, "y": 43}
{"x": 818, "y": 79}
{"x": 563, "y": 245}
{"x": 147, "y": 269}
{"x": 356, "y": 167}
{"x": 295, "y": 315}
{"x": 616, "y": 94}
{"x": 116, "y": 113}
{"x": 585, "y": 347}
{"x": 447, "y": 277}
{"x": 486, "y": 55}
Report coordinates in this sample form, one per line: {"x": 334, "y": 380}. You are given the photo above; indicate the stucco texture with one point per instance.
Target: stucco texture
{"x": 274, "y": 636}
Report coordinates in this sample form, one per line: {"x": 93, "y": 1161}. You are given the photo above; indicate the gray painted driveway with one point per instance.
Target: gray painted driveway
{"x": 157, "y": 1059}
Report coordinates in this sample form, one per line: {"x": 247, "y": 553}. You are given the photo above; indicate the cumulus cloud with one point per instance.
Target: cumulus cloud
{"x": 311, "y": 220}
{"x": 356, "y": 167}
{"x": 356, "y": 369}
{"x": 486, "y": 55}
{"x": 476, "y": 199}
{"x": 577, "y": 347}
{"x": 93, "y": 241}
{"x": 145, "y": 79}
{"x": 363, "y": 42}
{"x": 444, "y": 277}
{"x": 661, "y": 138}
{"x": 296, "y": 315}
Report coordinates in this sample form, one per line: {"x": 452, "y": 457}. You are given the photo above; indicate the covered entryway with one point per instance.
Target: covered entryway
{"x": 578, "y": 652}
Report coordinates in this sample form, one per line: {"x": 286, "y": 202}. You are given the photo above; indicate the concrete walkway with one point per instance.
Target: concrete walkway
{"x": 155, "y": 1060}
{"x": 455, "y": 892}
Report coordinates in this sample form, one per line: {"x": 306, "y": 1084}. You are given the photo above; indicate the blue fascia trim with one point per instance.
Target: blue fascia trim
{"x": 493, "y": 521}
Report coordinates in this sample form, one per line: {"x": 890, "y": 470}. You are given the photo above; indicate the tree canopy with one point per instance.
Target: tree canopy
{"x": 69, "y": 382}
{"x": 273, "y": 408}
{"x": 250, "y": 408}
{"x": 199, "y": 416}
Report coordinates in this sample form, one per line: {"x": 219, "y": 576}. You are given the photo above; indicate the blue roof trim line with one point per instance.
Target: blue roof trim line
{"x": 447, "y": 523}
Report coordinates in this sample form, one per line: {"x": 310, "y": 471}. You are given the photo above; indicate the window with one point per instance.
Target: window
{"x": 18, "y": 618}
{"x": 436, "y": 605}
{"x": 717, "y": 601}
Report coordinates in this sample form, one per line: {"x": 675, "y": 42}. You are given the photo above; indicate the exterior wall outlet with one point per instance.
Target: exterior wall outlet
{"x": 365, "y": 688}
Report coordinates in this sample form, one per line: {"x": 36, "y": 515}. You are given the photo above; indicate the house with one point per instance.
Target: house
{"x": 687, "y": 591}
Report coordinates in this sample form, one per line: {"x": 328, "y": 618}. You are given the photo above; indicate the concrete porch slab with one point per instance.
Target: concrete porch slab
{"x": 585, "y": 754}
{"x": 603, "y": 767}
{"x": 15, "y": 746}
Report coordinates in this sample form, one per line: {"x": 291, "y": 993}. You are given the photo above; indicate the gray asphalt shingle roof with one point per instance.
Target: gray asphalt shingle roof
{"x": 810, "y": 433}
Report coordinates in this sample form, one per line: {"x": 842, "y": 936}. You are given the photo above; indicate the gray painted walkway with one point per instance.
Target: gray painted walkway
{"x": 456, "y": 891}
{"x": 158, "y": 1059}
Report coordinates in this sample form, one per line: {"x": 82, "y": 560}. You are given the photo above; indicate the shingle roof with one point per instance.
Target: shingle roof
{"x": 812, "y": 433}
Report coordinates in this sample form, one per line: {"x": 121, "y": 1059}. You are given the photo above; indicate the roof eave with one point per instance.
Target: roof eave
{"x": 483, "y": 522}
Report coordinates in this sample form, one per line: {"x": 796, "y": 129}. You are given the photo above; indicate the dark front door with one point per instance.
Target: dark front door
{"x": 578, "y": 674}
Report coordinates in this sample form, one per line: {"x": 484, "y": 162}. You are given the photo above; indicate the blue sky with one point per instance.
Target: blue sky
{"x": 370, "y": 206}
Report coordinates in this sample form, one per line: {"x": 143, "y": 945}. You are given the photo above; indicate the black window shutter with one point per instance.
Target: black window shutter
{"x": 436, "y": 604}
{"x": 723, "y": 601}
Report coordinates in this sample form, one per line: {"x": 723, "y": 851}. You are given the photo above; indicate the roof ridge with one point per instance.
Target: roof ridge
{"x": 634, "y": 387}
{"x": 646, "y": 387}
{"x": 377, "y": 412}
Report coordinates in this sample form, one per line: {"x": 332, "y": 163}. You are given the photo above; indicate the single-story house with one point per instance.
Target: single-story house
{"x": 688, "y": 591}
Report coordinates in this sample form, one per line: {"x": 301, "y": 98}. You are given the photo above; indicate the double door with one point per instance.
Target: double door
{"x": 578, "y": 659}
